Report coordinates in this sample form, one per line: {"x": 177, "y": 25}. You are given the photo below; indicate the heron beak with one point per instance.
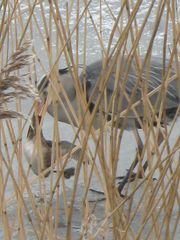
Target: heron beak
{"x": 42, "y": 106}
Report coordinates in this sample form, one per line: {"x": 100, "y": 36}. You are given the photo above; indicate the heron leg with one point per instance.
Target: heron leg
{"x": 131, "y": 176}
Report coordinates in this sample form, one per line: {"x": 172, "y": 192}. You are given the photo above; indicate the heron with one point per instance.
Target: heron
{"x": 124, "y": 84}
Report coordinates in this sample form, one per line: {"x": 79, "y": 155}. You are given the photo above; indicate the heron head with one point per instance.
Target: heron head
{"x": 35, "y": 120}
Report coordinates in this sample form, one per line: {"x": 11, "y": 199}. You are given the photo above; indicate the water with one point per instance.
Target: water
{"x": 93, "y": 53}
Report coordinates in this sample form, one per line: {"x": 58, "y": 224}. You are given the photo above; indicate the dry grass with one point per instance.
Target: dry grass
{"x": 151, "y": 209}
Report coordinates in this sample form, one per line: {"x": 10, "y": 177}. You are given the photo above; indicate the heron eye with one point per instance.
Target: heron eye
{"x": 45, "y": 93}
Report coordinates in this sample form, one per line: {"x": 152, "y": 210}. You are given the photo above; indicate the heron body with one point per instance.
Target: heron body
{"x": 148, "y": 91}
{"x": 128, "y": 85}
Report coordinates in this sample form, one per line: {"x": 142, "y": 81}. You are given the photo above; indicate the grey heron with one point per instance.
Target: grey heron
{"x": 127, "y": 84}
